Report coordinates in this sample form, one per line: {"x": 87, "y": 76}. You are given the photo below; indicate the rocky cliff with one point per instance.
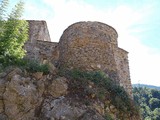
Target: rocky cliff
{"x": 55, "y": 96}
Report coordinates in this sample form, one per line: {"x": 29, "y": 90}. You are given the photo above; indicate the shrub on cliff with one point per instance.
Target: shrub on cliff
{"x": 13, "y": 34}
{"x": 96, "y": 85}
{"x": 34, "y": 66}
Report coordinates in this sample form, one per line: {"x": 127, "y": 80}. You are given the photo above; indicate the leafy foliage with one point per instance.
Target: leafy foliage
{"x": 149, "y": 102}
{"x": 147, "y": 86}
{"x": 17, "y": 11}
{"x": 108, "y": 117}
{"x": 96, "y": 85}
{"x": 3, "y": 7}
{"x": 13, "y": 34}
{"x": 34, "y": 66}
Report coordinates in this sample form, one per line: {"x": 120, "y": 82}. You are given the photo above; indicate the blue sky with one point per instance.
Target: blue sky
{"x": 136, "y": 21}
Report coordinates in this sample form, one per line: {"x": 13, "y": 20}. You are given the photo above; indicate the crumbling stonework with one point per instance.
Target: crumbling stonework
{"x": 121, "y": 58}
{"x": 38, "y": 31}
{"x": 87, "y": 46}
{"x": 42, "y": 51}
{"x": 93, "y": 46}
{"x": 39, "y": 46}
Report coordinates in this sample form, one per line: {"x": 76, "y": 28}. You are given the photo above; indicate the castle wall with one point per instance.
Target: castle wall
{"x": 121, "y": 58}
{"x": 39, "y": 45}
{"x": 38, "y": 31}
{"x": 89, "y": 46}
{"x": 42, "y": 51}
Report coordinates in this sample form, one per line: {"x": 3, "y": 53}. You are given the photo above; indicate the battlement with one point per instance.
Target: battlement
{"x": 89, "y": 46}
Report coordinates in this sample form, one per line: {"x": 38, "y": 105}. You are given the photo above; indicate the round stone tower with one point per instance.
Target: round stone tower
{"x": 89, "y": 46}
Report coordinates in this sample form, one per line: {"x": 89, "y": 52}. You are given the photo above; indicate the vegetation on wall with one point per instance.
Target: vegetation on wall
{"x": 33, "y": 66}
{"x": 149, "y": 102}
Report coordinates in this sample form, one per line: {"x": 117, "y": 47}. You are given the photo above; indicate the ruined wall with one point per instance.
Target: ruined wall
{"x": 121, "y": 58}
{"x": 38, "y": 31}
{"x": 39, "y": 45}
{"x": 42, "y": 51}
{"x": 93, "y": 46}
{"x": 87, "y": 46}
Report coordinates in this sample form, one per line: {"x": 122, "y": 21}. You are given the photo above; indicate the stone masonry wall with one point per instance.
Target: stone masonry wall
{"x": 93, "y": 46}
{"x": 42, "y": 51}
{"x": 39, "y": 46}
{"x": 87, "y": 46}
{"x": 121, "y": 57}
{"x": 38, "y": 31}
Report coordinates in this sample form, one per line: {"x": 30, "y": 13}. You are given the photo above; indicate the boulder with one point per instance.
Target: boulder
{"x": 58, "y": 87}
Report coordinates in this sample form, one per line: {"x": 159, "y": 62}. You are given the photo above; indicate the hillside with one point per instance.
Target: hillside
{"x": 147, "y": 86}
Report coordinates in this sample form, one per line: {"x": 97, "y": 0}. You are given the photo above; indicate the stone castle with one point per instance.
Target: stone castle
{"x": 89, "y": 46}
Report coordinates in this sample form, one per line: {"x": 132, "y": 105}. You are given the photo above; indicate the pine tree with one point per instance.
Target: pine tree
{"x": 13, "y": 35}
{"x": 3, "y": 7}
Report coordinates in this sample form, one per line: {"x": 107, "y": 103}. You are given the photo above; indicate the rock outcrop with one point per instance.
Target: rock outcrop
{"x": 31, "y": 96}
{"x": 22, "y": 96}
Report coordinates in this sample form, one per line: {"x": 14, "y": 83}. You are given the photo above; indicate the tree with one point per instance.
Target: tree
{"x": 155, "y": 93}
{"x": 13, "y": 34}
{"x": 3, "y": 7}
{"x": 148, "y": 101}
{"x": 154, "y": 103}
{"x": 156, "y": 113}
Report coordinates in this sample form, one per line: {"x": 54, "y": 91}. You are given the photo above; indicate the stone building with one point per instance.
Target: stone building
{"x": 39, "y": 45}
{"x": 89, "y": 46}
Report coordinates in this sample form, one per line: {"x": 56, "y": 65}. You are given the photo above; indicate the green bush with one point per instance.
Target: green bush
{"x": 34, "y": 66}
{"x": 31, "y": 66}
{"x": 104, "y": 88}
{"x": 108, "y": 117}
{"x": 1, "y": 68}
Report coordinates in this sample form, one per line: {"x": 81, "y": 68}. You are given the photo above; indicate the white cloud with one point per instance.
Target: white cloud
{"x": 144, "y": 62}
{"x": 35, "y": 12}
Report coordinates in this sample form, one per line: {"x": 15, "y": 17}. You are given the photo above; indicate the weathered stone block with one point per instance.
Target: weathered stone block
{"x": 58, "y": 87}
